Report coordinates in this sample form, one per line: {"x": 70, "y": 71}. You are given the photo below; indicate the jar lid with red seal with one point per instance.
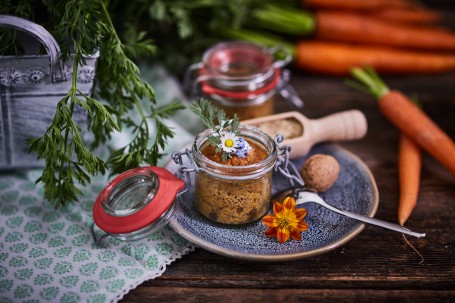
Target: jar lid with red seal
{"x": 239, "y": 71}
{"x": 136, "y": 203}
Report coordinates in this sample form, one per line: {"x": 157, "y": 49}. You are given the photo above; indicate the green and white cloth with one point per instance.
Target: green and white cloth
{"x": 48, "y": 255}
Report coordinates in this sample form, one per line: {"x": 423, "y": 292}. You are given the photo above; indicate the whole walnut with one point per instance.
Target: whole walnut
{"x": 320, "y": 172}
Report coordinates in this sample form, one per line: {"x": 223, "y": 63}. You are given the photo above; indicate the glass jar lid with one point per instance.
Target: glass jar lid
{"x": 136, "y": 199}
{"x": 238, "y": 69}
{"x": 238, "y": 60}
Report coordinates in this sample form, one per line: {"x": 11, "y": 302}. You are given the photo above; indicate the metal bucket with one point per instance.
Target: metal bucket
{"x": 30, "y": 88}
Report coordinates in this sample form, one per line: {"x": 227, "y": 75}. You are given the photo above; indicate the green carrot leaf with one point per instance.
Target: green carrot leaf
{"x": 369, "y": 82}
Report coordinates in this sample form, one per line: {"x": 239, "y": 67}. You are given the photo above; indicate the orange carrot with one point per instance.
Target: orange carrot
{"x": 409, "y": 16}
{"x": 352, "y": 28}
{"x": 337, "y": 59}
{"x": 409, "y": 118}
{"x": 357, "y": 4}
{"x": 349, "y": 27}
{"x": 409, "y": 166}
{"x": 418, "y": 126}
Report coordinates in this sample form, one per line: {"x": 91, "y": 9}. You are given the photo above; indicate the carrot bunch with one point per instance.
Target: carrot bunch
{"x": 333, "y": 36}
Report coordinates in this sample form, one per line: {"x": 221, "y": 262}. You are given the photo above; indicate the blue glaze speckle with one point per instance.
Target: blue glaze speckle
{"x": 355, "y": 190}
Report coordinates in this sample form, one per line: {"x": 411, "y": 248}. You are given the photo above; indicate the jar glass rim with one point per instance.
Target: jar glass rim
{"x": 217, "y": 59}
{"x": 243, "y": 172}
{"x": 131, "y": 194}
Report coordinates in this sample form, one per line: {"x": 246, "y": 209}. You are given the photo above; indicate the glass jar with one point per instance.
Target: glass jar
{"x": 241, "y": 78}
{"x": 234, "y": 194}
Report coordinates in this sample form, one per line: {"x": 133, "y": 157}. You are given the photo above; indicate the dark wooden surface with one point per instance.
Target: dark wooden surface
{"x": 377, "y": 265}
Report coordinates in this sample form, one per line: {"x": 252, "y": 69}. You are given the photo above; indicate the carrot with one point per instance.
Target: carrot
{"x": 338, "y": 59}
{"x": 408, "y": 117}
{"x": 351, "y": 27}
{"x": 357, "y": 4}
{"x": 409, "y": 16}
{"x": 409, "y": 166}
{"x": 412, "y": 17}
{"x": 348, "y": 27}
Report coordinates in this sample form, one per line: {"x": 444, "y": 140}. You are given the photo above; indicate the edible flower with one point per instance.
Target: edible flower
{"x": 226, "y": 136}
{"x": 229, "y": 142}
{"x": 286, "y": 222}
{"x": 243, "y": 148}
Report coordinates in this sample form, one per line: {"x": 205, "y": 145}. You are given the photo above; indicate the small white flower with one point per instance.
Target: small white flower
{"x": 229, "y": 142}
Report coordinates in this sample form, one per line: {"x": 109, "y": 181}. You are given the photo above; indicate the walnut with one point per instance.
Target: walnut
{"x": 320, "y": 172}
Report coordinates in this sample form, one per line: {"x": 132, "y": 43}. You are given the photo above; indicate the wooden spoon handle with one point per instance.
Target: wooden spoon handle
{"x": 342, "y": 126}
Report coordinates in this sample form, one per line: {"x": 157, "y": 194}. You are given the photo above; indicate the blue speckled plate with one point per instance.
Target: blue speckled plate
{"x": 355, "y": 190}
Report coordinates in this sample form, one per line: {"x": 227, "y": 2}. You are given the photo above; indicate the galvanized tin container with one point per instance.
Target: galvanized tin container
{"x": 31, "y": 85}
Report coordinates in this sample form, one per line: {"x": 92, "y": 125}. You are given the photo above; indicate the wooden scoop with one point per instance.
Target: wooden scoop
{"x": 302, "y": 133}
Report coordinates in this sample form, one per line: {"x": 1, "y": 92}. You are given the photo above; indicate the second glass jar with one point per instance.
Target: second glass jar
{"x": 240, "y": 77}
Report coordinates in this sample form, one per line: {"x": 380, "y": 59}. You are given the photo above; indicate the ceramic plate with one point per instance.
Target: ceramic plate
{"x": 355, "y": 190}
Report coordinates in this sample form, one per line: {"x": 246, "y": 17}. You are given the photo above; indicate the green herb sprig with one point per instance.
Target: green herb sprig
{"x": 69, "y": 162}
{"x": 215, "y": 118}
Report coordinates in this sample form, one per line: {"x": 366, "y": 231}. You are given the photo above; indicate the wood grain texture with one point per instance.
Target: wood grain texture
{"x": 288, "y": 295}
{"x": 377, "y": 265}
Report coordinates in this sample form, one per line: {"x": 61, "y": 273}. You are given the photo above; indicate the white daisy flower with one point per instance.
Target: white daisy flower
{"x": 229, "y": 142}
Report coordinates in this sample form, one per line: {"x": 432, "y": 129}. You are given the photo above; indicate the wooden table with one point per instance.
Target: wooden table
{"x": 375, "y": 266}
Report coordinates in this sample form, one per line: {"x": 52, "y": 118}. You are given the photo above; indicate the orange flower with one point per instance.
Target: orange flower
{"x": 286, "y": 222}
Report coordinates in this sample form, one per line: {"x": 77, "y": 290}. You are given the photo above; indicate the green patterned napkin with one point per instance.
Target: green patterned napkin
{"x": 48, "y": 255}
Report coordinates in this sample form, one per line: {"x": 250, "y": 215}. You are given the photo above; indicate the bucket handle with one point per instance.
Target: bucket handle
{"x": 43, "y": 36}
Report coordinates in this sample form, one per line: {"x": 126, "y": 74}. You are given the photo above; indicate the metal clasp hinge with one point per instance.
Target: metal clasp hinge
{"x": 184, "y": 171}
{"x": 283, "y": 165}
